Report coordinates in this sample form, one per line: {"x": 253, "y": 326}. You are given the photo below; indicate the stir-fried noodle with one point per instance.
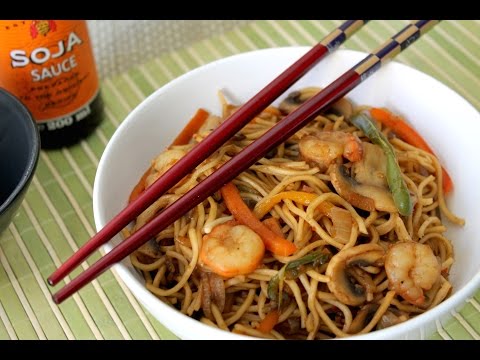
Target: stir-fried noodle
{"x": 309, "y": 242}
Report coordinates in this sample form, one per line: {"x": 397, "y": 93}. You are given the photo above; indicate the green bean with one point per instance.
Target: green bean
{"x": 291, "y": 271}
{"x": 398, "y": 188}
{"x": 294, "y": 268}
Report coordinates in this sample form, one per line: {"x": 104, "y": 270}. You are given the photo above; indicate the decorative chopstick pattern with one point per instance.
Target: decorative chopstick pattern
{"x": 338, "y": 36}
{"x": 393, "y": 47}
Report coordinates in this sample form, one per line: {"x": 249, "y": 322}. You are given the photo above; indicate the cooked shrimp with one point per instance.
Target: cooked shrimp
{"x": 163, "y": 162}
{"x": 324, "y": 147}
{"x": 411, "y": 268}
{"x": 230, "y": 250}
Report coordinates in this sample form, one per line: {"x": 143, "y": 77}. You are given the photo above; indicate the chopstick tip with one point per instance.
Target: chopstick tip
{"x": 55, "y": 299}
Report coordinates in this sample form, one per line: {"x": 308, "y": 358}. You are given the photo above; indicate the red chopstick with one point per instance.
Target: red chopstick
{"x": 248, "y": 156}
{"x": 210, "y": 144}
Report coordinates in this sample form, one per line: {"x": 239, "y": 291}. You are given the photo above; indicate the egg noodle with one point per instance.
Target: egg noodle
{"x": 356, "y": 264}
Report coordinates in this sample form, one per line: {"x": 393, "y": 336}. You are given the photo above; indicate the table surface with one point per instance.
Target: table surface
{"x": 134, "y": 58}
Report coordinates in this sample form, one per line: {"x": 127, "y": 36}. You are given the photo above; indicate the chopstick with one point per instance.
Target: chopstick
{"x": 210, "y": 144}
{"x": 248, "y": 156}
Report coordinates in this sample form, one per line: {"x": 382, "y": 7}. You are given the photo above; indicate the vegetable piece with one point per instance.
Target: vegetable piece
{"x": 293, "y": 270}
{"x": 269, "y": 321}
{"x": 275, "y": 287}
{"x": 400, "y": 127}
{"x": 372, "y": 169}
{"x": 397, "y": 185}
{"x": 341, "y": 107}
{"x": 140, "y": 187}
{"x": 191, "y": 128}
{"x": 299, "y": 197}
{"x": 240, "y": 211}
{"x": 340, "y": 269}
{"x": 273, "y": 225}
{"x": 342, "y": 223}
{"x": 341, "y": 218}
{"x": 297, "y": 98}
{"x": 366, "y": 197}
{"x": 409, "y": 135}
{"x": 230, "y": 250}
{"x": 151, "y": 249}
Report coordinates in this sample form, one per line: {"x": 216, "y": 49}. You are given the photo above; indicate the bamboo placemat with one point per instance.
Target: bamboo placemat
{"x": 56, "y": 216}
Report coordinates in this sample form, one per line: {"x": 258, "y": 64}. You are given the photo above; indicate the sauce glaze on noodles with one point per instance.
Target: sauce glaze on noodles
{"x": 312, "y": 306}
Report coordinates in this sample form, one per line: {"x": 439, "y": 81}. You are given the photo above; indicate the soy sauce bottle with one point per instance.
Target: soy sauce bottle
{"x": 49, "y": 65}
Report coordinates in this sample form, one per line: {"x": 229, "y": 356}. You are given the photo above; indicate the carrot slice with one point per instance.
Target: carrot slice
{"x": 140, "y": 187}
{"x": 269, "y": 322}
{"x": 273, "y": 225}
{"x": 192, "y": 127}
{"x": 409, "y": 135}
{"x": 240, "y": 211}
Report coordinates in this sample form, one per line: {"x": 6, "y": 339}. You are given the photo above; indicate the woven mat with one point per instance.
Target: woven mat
{"x": 56, "y": 216}
{"x": 120, "y": 44}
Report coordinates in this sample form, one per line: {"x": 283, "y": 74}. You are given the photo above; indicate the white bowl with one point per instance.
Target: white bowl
{"x": 446, "y": 121}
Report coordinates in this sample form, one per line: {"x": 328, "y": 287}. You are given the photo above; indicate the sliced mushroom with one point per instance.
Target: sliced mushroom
{"x": 323, "y": 148}
{"x": 341, "y": 107}
{"x": 362, "y": 196}
{"x": 372, "y": 168}
{"x": 368, "y": 257}
{"x": 297, "y": 98}
{"x": 149, "y": 252}
{"x": 342, "y": 282}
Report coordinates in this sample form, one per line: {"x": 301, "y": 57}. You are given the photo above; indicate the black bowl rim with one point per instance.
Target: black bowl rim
{"x": 32, "y": 163}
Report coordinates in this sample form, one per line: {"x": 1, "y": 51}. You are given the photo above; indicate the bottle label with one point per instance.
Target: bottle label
{"x": 49, "y": 66}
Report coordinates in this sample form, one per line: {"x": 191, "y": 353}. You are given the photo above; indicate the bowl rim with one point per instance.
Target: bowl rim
{"x": 32, "y": 160}
{"x": 144, "y": 296}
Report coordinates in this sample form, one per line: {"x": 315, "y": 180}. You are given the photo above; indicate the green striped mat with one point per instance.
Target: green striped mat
{"x": 56, "y": 216}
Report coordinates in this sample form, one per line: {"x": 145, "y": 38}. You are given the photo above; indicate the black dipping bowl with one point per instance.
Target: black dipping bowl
{"x": 19, "y": 151}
